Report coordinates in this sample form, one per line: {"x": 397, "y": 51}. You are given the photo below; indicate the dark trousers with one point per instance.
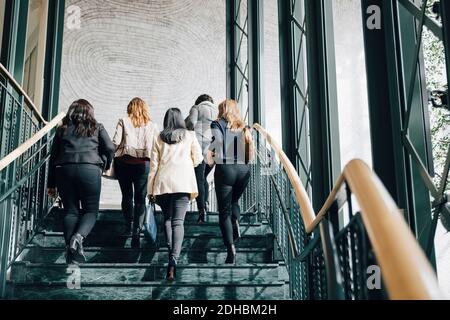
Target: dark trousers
{"x": 174, "y": 207}
{"x": 133, "y": 180}
{"x": 201, "y": 174}
{"x": 79, "y": 184}
{"x": 231, "y": 182}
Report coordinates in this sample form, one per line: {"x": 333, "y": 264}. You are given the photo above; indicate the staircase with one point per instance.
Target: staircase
{"x": 115, "y": 271}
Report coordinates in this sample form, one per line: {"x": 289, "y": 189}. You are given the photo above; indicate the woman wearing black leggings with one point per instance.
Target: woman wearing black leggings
{"x": 231, "y": 151}
{"x": 80, "y": 152}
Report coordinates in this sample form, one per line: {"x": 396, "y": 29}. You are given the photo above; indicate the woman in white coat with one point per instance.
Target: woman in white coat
{"x": 172, "y": 183}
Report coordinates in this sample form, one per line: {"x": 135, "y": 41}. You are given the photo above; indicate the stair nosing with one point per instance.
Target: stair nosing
{"x": 146, "y": 265}
{"x": 162, "y": 283}
{"x": 159, "y": 250}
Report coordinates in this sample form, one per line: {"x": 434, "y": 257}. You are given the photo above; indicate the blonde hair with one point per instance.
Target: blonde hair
{"x": 138, "y": 113}
{"x": 229, "y": 110}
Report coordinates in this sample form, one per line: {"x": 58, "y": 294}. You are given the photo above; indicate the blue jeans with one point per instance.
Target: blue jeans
{"x": 133, "y": 180}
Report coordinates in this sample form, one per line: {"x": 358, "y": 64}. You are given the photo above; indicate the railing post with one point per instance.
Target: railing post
{"x": 5, "y": 239}
{"x": 333, "y": 273}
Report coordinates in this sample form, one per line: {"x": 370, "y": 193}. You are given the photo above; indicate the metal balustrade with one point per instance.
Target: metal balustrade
{"x": 25, "y": 142}
{"x": 328, "y": 258}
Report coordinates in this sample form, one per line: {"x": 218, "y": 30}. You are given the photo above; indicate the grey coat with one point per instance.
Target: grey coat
{"x": 199, "y": 120}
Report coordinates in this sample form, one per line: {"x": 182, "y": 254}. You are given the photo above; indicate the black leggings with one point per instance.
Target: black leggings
{"x": 133, "y": 180}
{"x": 231, "y": 182}
{"x": 201, "y": 173}
{"x": 79, "y": 184}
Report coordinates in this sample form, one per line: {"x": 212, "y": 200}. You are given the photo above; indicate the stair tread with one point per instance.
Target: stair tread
{"x": 129, "y": 249}
{"x": 149, "y": 265}
{"x": 160, "y": 283}
{"x": 42, "y": 271}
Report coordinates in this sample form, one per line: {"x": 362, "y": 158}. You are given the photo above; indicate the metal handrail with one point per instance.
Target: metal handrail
{"x": 10, "y": 158}
{"x": 406, "y": 270}
{"x": 19, "y": 88}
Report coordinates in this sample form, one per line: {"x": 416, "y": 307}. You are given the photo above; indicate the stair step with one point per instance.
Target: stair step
{"x": 23, "y": 272}
{"x": 36, "y": 254}
{"x": 108, "y": 228}
{"x": 191, "y": 241}
{"x": 244, "y": 290}
{"x": 116, "y": 215}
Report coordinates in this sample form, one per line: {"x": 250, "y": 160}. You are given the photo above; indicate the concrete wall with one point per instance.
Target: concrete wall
{"x": 167, "y": 52}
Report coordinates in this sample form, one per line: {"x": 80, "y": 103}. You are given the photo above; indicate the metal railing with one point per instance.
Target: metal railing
{"x": 332, "y": 255}
{"x": 25, "y": 144}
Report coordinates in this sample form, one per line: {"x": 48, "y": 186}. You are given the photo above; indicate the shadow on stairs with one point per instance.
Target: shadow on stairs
{"x": 115, "y": 271}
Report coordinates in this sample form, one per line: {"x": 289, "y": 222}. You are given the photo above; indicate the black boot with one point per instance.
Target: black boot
{"x": 76, "y": 248}
{"x": 172, "y": 270}
{"x": 202, "y": 216}
{"x": 231, "y": 257}
{"x": 236, "y": 230}
{"x": 69, "y": 257}
{"x": 136, "y": 239}
{"x": 128, "y": 232}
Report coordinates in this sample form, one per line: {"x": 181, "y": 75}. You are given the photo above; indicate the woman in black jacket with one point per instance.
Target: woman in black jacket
{"x": 81, "y": 151}
{"x": 231, "y": 151}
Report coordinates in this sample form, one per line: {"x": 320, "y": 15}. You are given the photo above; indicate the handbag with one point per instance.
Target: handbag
{"x": 111, "y": 173}
{"x": 150, "y": 226}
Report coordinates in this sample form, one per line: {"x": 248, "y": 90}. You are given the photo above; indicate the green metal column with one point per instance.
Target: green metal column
{"x": 256, "y": 61}
{"x": 15, "y": 52}
{"x": 385, "y": 102}
{"x": 232, "y": 42}
{"x": 288, "y": 107}
{"x": 416, "y": 126}
{"x": 323, "y": 106}
{"x": 53, "y": 56}
{"x": 399, "y": 113}
{"x": 13, "y": 57}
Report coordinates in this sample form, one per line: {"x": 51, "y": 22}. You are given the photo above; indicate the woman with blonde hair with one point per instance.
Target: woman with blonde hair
{"x": 231, "y": 151}
{"x": 134, "y": 139}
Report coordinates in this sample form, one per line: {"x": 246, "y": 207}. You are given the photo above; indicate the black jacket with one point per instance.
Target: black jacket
{"x": 229, "y": 147}
{"x": 69, "y": 148}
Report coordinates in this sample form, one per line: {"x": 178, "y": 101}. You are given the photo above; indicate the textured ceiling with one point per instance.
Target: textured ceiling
{"x": 167, "y": 52}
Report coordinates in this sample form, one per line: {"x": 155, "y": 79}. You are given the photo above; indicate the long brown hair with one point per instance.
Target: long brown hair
{"x": 229, "y": 110}
{"x": 138, "y": 113}
{"x": 81, "y": 115}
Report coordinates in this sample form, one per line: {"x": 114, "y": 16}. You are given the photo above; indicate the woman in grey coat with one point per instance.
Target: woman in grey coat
{"x": 199, "y": 120}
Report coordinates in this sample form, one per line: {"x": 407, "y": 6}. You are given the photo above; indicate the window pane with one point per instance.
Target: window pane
{"x": 354, "y": 123}
{"x": 2, "y": 21}
{"x": 33, "y": 82}
{"x": 271, "y": 70}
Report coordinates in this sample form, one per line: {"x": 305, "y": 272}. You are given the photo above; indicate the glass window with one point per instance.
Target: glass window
{"x": 2, "y": 21}
{"x": 33, "y": 82}
{"x": 354, "y": 123}
{"x": 242, "y": 58}
{"x": 272, "y": 70}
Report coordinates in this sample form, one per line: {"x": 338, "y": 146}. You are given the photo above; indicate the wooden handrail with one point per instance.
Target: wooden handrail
{"x": 306, "y": 208}
{"x": 19, "y": 88}
{"x": 10, "y": 158}
{"x": 407, "y": 272}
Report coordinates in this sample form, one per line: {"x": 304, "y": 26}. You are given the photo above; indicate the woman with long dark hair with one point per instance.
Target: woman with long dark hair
{"x": 172, "y": 183}
{"x": 134, "y": 142}
{"x": 80, "y": 152}
{"x": 231, "y": 151}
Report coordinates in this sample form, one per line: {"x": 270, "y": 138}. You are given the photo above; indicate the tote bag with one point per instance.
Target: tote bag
{"x": 150, "y": 226}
